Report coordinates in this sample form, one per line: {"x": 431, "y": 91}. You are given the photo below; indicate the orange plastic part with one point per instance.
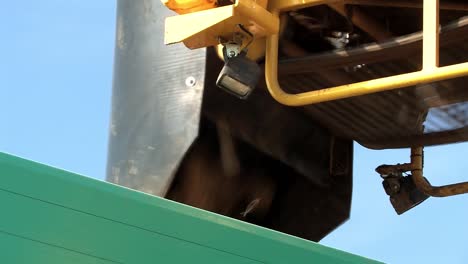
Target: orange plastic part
{"x": 189, "y": 6}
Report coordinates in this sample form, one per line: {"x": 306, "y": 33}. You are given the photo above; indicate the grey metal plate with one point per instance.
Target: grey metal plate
{"x": 156, "y": 99}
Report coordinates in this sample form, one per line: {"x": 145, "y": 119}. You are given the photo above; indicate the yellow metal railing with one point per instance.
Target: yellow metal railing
{"x": 430, "y": 72}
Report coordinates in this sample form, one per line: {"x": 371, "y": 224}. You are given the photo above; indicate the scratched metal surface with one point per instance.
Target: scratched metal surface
{"x": 156, "y": 99}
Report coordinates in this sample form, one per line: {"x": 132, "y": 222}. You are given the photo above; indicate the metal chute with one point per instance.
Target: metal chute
{"x": 156, "y": 100}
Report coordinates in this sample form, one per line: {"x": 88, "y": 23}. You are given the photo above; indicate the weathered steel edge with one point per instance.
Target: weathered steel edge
{"x": 160, "y": 215}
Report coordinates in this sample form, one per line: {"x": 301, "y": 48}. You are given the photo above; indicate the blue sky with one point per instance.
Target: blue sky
{"x": 55, "y": 91}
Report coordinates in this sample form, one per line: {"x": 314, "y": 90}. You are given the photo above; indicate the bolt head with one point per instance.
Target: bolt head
{"x": 190, "y": 81}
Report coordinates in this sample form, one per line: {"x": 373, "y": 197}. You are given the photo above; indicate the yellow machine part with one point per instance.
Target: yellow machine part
{"x": 188, "y": 6}
{"x": 205, "y": 28}
{"x": 222, "y": 21}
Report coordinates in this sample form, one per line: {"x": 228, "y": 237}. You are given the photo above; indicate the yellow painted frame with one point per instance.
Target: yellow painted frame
{"x": 202, "y": 29}
{"x": 430, "y": 72}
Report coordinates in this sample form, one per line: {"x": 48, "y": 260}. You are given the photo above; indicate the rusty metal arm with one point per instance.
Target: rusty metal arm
{"x": 424, "y": 186}
{"x": 416, "y": 168}
{"x": 430, "y": 73}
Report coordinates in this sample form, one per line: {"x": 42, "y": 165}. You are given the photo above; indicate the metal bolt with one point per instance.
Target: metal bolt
{"x": 232, "y": 54}
{"x": 190, "y": 81}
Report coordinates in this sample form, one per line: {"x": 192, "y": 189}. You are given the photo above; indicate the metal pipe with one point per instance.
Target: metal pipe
{"x": 424, "y": 186}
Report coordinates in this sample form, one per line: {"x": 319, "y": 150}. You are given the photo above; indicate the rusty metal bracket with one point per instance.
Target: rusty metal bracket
{"x": 416, "y": 169}
{"x": 403, "y": 193}
{"x": 424, "y": 185}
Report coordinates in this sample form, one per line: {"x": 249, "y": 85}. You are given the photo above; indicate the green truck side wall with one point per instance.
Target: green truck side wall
{"x": 54, "y": 216}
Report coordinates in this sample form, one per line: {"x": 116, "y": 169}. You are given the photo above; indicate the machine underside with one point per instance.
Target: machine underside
{"x": 298, "y": 183}
{"x": 285, "y": 168}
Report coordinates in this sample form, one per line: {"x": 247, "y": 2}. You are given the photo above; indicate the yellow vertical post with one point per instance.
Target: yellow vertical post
{"x": 430, "y": 34}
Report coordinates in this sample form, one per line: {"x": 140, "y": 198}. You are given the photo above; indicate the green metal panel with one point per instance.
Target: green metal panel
{"x": 53, "y": 216}
{"x": 18, "y": 250}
